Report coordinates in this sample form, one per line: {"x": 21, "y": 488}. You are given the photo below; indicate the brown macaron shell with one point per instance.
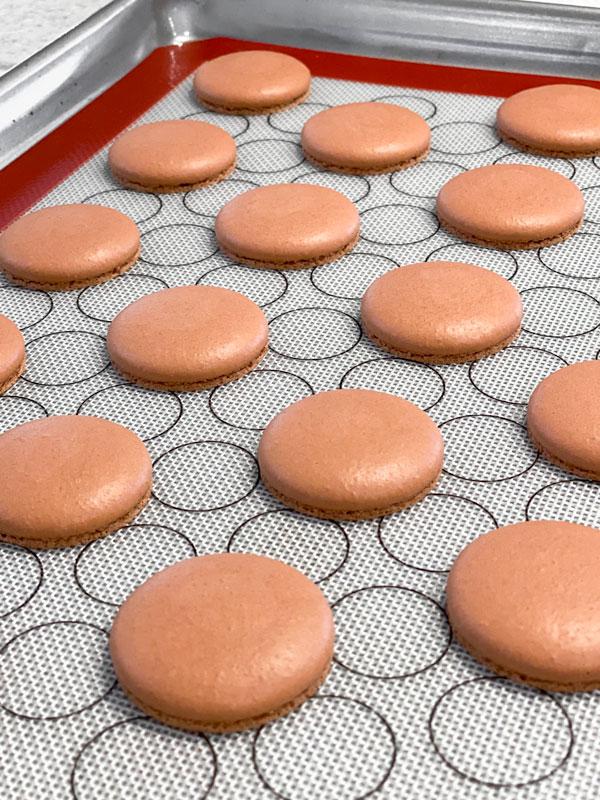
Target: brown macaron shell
{"x": 12, "y": 353}
{"x": 525, "y": 601}
{"x": 69, "y": 247}
{"x": 172, "y": 156}
{"x": 511, "y": 206}
{"x": 350, "y": 454}
{"x": 563, "y": 418}
{"x": 252, "y": 82}
{"x": 560, "y": 120}
{"x": 188, "y": 338}
{"x": 67, "y": 480}
{"x": 366, "y": 138}
{"x": 287, "y": 226}
{"x": 441, "y": 312}
{"x": 222, "y": 643}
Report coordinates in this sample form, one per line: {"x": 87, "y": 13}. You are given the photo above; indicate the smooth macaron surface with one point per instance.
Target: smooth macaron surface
{"x": 441, "y": 309}
{"x": 525, "y": 600}
{"x": 222, "y": 642}
{"x": 68, "y": 246}
{"x": 350, "y": 452}
{"x": 252, "y": 81}
{"x": 12, "y": 352}
{"x": 65, "y": 477}
{"x": 365, "y": 137}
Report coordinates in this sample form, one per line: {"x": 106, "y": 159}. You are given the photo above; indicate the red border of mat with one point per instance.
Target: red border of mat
{"x": 40, "y": 169}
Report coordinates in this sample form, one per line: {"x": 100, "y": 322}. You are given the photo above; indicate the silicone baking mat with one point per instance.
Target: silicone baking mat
{"x": 405, "y": 713}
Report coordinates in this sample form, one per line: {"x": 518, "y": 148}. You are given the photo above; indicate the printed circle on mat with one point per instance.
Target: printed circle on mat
{"x": 463, "y": 138}
{"x": 425, "y": 179}
{"x": 16, "y": 410}
{"x": 313, "y": 333}
{"x": 498, "y": 734}
{"x": 556, "y": 312}
{"x": 572, "y": 500}
{"x": 105, "y": 301}
{"x": 25, "y": 307}
{"x": 420, "y": 105}
{"x": 252, "y": 401}
{"x": 592, "y": 203}
{"x": 419, "y": 383}
{"x": 502, "y": 449}
{"x": 178, "y": 245}
{"x": 63, "y": 358}
{"x": 292, "y": 120}
{"x": 21, "y": 575}
{"x": 139, "y": 206}
{"x": 350, "y": 276}
{"x": 262, "y": 286}
{"x": 397, "y": 224}
{"x": 499, "y": 261}
{"x": 355, "y": 187}
{"x": 234, "y": 124}
{"x": 430, "y": 535}
{"x": 268, "y": 155}
{"x": 141, "y": 758}
{"x": 210, "y": 200}
{"x": 55, "y": 670}
{"x": 204, "y": 476}
{"x": 562, "y": 165}
{"x": 512, "y": 374}
{"x": 148, "y": 414}
{"x": 389, "y": 632}
{"x": 109, "y": 569}
{"x": 330, "y": 747}
{"x": 576, "y": 258}
{"x": 317, "y": 547}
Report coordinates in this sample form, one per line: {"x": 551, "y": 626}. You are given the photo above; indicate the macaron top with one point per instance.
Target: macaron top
{"x": 527, "y": 598}
{"x": 68, "y": 475}
{"x": 252, "y": 79}
{"x": 187, "y": 334}
{"x": 365, "y": 135}
{"x": 222, "y": 638}
{"x": 12, "y": 348}
{"x": 511, "y": 202}
{"x": 66, "y": 243}
{"x": 350, "y": 450}
{"x": 287, "y": 222}
{"x": 174, "y": 152}
{"x": 563, "y": 415}
{"x": 557, "y": 117}
{"x": 441, "y": 308}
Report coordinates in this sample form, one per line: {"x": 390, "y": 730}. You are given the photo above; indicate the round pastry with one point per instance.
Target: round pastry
{"x": 172, "y": 156}
{"x": 67, "y": 480}
{"x": 252, "y": 82}
{"x": 287, "y": 226}
{"x": 560, "y": 120}
{"x": 350, "y": 454}
{"x": 188, "y": 338}
{"x": 223, "y": 642}
{"x": 12, "y": 353}
{"x": 366, "y": 138}
{"x": 525, "y": 601}
{"x": 68, "y": 247}
{"x": 511, "y": 206}
{"x": 563, "y": 418}
{"x": 441, "y": 312}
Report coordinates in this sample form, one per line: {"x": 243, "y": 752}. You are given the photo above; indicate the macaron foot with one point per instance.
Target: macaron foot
{"x": 499, "y": 245}
{"x": 12, "y": 379}
{"x": 400, "y": 165}
{"x": 253, "y": 112}
{"x": 170, "y": 189}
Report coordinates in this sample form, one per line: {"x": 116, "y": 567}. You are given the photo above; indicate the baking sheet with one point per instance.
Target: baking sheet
{"x": 405, "y": 713}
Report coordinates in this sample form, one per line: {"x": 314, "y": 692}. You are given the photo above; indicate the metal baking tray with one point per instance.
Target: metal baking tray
{"x": 405, "y": 712}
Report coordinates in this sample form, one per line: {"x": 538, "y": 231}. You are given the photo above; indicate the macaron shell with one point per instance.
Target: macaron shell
{"x": 67, "y": 244}
{"x": 525, "y": 599}
{"x": 252, "y": 80}
{"x": 441, "y": 309}
{"x": 65, "y": 477}
{"x": 222, "y": 639}
{"x": 366, "y": 137}
{"x": 12, "y": 353}
{"x": 511, "y": 204}
{"x": 187, "y": 334}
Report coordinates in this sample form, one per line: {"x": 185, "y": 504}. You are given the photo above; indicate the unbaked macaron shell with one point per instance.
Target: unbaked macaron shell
{"x": 69, "y": 247}
{"x": 511, "y": 206}
{"x": 366, "y": 138}
{"x": 172, "y": 156}
{"x": 287, "y": 226}
{"x": 252, "y": 82}
{"x": 350, "y": 454}
{"x": 12, "y": 353}
{"x": 223, "y": 642}
{"x": 525, "y": 601}
{"x": 67, "y": 480}
{"x": 441, "y": 312}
